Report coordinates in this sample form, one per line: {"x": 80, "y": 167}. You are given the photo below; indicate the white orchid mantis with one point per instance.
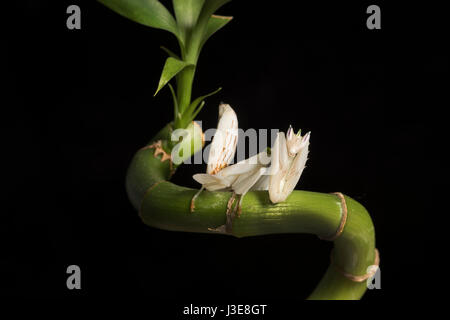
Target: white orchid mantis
{"x": 287, "y": 161}
{"x": 249, "y": 174}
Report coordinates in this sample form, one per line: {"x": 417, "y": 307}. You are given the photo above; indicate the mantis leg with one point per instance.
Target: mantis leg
{"x": 246, "y": 182}
{"x": 239, "y": 205}
{"x": 192, "y": 206}
{"x": 227, "y": 227}
{"x": 230, "y": 213}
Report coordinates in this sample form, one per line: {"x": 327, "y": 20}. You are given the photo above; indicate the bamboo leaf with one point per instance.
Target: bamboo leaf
{"x": 208, "y": 9}
{"x": 187, "y": 13}
{"x": 215, "y": 23}
{"x": 175, "y": 102}
{"x": 171, "y": 68}
{"x": 201, "y": 27}
{"x": 150, "y": 13}
{"x": 198, "y": 110}
{"x": 196, "y": 102}
{"x": 170, "y": 53}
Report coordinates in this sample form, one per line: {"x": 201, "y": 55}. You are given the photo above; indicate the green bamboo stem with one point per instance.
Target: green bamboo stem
{"x": 184, "y": 88}
{"x": 185, "y": 78}
{"x": 164, "y": 205}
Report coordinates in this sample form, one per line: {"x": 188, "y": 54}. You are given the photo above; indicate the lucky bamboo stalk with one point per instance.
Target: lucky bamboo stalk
{"x": 164, "y": 205}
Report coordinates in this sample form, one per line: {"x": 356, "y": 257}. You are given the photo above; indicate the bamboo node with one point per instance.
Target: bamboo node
{"x": 344, "y": 213}
{"x": 372, "y": 269}
{"x": 159, "y": 150}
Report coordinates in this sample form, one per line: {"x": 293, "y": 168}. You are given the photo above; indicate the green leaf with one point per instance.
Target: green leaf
{"x": 212, "y": 6}
{"x": 171, "y": 68}
{"x": 215, "y": 23}
{"x": 186, "y": 13}
{"x": 208, "y": 9}
{"x": 194, "y": 104}
{"x": 170, "y": 53}
{"x": 201, "y": 27}
{"x": 198, "y": 110}
{"x": 175, "y": 102}
{"x": 150, "y": 13}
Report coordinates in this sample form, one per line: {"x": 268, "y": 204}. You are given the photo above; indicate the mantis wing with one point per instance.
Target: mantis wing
{"x": 211, "y": 182}
{"x": 248, "y": 172}
{"x": 246, "y": 181}
{"x": 263, "y": 181}
{"x": 245, "y": 166}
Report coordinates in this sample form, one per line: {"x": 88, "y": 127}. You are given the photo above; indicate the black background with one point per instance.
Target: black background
{"x": 80, "y": 105}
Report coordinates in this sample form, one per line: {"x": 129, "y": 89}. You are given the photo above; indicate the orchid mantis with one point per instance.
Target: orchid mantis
{"x": 287, "y": 161}
{"x": 249, "y": 174}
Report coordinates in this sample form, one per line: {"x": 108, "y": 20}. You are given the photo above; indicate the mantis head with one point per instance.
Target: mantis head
{"x": 295, "y": 142}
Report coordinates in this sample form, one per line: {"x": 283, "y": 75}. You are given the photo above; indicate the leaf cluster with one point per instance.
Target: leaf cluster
{"x": 192, "y": 23}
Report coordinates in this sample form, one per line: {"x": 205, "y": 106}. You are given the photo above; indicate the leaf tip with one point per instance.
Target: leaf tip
{"x": 159, "y": 88}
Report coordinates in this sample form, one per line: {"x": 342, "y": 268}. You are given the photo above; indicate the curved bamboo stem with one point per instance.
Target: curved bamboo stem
{"x": 164, "y": 205}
